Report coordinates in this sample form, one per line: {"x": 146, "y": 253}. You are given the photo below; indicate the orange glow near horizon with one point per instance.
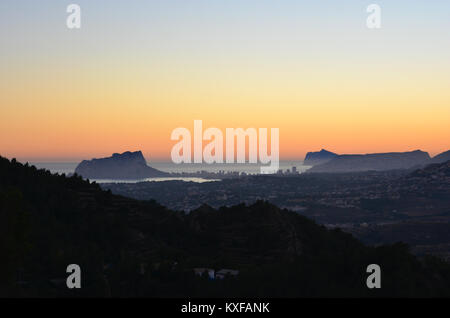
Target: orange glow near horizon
{"x": 74, "y": 116}
{"x": 66, "y": 97}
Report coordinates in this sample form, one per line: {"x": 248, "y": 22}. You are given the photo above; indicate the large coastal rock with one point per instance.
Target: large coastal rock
{"x": 128, "y": 165}
{"x": 318, "y": 157}
{"x": 376, "y": 161}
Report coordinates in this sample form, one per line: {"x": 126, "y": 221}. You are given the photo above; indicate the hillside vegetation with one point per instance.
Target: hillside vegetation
{"x": 127, "y": 247}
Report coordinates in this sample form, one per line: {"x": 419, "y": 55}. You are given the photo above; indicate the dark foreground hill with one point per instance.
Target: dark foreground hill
{"x": 128, "y": 165}
{"x": 127, "y": 247}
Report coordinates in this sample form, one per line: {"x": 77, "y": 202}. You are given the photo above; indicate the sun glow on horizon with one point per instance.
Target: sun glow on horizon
{"x": 134, "y": 73}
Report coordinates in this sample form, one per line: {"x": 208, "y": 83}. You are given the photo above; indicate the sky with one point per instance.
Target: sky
{"x": 136, "y": 70}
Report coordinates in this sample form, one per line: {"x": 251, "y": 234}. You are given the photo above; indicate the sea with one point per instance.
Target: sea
{"x": 251, "y": 169}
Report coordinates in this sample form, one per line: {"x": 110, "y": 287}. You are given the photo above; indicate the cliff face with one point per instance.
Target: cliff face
{"x": 128, "y": 165}
{"x": 377, "y": 161}
{"x": 318, "y": 157}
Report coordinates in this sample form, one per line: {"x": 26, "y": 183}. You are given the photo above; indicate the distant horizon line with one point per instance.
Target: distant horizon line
{"x": 153, "y": 161}
{"x": 168, "y": 160}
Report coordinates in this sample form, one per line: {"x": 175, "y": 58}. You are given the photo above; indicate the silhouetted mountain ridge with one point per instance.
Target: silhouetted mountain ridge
{"x": 316, "y": 158}
{"x": 376, "y": 161}
{"x": 442, "y": 157}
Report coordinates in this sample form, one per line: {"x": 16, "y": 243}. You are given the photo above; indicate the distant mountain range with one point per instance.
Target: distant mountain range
{"x": 128, "y": 165}
{"x": 325, "y": 161}
{"x": 132, "y": 165}
{"x": 376, "y": 161}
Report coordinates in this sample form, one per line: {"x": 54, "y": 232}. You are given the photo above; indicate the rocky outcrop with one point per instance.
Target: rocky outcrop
{"x": 318, "y": 157}
{"x": 376, "y": 161}
{"x": 128, "y": 165}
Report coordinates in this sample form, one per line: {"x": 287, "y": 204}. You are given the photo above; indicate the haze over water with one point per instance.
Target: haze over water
{"x": 69, "y": 167}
